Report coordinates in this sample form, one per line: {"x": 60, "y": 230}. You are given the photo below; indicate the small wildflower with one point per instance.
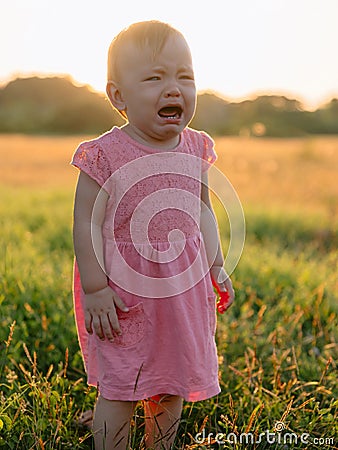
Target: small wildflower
{"x": 11, "y": 376}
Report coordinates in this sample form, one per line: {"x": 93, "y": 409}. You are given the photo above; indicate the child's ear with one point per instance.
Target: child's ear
{"x": 115, "y": 96}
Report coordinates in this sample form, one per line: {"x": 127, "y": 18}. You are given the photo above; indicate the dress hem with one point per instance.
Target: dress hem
{"x": 199, "y": 394}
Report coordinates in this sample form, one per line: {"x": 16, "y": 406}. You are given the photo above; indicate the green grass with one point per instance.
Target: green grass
{"x": 277, "y": 343}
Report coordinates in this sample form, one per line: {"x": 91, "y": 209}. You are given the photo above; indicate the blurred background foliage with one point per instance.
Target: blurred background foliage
{"x": 56, "y": 105}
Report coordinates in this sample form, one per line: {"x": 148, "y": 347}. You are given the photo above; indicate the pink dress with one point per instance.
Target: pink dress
{"x": 155, "y": 260}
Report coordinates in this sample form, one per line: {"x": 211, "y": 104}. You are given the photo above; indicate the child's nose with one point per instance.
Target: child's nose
{"x": 172, "y": 91}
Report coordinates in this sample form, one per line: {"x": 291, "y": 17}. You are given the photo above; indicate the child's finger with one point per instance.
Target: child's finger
{"x": 114, "y": 322}
{"x": 106, "y": 327}
{"x": 96, "y": 324}
{"x": 228, "y": 287}
{"x": 120, "y": 303}
{"x": 88, "y": 322}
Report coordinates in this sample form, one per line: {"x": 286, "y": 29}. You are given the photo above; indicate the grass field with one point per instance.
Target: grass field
{"x": 277, "y": 344}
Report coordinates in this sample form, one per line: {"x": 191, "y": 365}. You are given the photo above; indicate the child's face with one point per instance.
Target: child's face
{"x": 158, "y": 94}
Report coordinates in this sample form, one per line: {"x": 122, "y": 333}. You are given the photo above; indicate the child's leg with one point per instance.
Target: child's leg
{"x": 111, "y": 424}
{"x": 162, "y": 414}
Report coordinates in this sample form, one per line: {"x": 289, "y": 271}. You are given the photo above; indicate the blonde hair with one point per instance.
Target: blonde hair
{"x": 152, "y": 34}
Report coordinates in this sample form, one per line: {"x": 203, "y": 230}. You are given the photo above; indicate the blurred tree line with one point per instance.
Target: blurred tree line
{"x": 57, "y": 105}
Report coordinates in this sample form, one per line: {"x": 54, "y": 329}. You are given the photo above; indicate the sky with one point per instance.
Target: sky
{"x": 240, "y": 48}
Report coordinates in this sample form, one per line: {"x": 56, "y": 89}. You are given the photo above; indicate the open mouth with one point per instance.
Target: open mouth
{"x": 170, "y": 112}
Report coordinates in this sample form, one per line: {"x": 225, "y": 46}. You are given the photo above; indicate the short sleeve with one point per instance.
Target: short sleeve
{"x": 209, "y": 156}
{"x": 90, "y": 158}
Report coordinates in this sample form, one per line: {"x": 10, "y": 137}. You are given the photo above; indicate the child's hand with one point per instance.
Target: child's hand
{"x": 100, "y": 313}
{"x": 222, "y": 279}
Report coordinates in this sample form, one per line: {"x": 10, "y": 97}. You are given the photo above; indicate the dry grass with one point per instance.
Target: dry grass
{"x": 37, "y": 161}
{"x": 295, "y": 173}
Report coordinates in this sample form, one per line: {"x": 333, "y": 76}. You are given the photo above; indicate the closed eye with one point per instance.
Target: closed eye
{"x": 187, "y": 77}
{"x": 153, "y": 78}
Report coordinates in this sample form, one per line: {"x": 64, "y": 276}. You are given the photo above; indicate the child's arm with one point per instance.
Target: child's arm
{"x": 100, "y": 299}
{"x": 211, "y": 239}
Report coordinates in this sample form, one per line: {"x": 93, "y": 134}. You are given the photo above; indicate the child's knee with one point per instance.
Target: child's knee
{"x": 164, "y": 398}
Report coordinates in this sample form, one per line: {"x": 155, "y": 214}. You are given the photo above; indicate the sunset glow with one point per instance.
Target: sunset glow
{"x": 240, "y": 48}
